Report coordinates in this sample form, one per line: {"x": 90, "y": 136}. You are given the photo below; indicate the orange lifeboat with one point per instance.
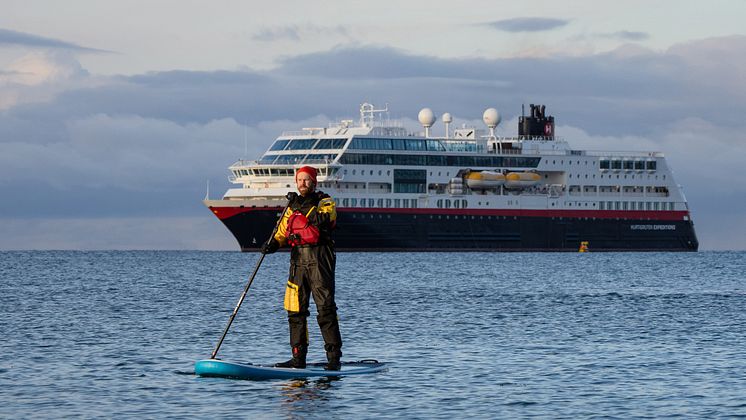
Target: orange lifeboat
{"x": 484, "y": 180}
{"x": 517, "y": 180}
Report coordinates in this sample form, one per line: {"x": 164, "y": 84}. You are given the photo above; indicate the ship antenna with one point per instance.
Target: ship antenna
{"x": 427, "y": 119}
{"x": 245, "y": 142}
{"x": 492, "y": 118}
{"x": 207, "y": 194}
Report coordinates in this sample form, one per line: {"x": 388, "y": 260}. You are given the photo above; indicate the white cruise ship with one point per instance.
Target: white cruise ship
{"x": 468, "y": 190}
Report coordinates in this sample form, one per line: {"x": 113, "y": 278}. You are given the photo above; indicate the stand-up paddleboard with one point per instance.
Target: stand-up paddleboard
{"x": 223, "y": 369}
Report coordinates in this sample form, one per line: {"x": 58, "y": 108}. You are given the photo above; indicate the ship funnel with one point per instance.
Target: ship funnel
{"x": 427, "y": 119}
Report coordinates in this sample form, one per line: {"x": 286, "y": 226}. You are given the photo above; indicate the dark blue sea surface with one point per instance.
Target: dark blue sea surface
{"x": 467, "y": 335}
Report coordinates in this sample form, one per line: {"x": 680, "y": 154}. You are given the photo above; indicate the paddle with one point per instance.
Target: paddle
{"x": 251, "y": 280}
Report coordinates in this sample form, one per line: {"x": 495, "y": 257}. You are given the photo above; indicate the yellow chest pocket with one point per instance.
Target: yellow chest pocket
{"x": 292, "y": 303}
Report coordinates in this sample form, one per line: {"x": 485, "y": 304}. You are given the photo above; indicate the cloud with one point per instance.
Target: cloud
{"x": 15, "y": 38}
{"x": 297, "y": 32}
{"x": 528, "y": 24}
{"x": 627, "y": 35}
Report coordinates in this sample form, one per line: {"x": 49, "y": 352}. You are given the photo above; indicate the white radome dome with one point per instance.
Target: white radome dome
{"x": 426, "y": 117}
{"x": 491, "y": 117}
{"x": 447, "y": 118}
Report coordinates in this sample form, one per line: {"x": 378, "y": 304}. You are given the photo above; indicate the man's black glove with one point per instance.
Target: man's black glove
{"x": 270, "y": 246}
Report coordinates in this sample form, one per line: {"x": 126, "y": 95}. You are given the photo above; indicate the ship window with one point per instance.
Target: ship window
{"x": 414, "y": 203}
{"x": 267, "y": 159}
{"x": 656, "y": 206}
{"x": 435, "y": 145}
{"x": 397, "y": 203}
{"x": 330, "y": 144}
{"x": 300, "y": 144}
{"x": 601, "y": 205}
{"x": 279, "y": 145}
{"x": 289, "y": 159}
{"x": 388, "y": 202}
{"x": 625, "y": 206}
{"x": 616, "y": 164}
{"x": 353, "y": 172}
{"x": 371, "y": 202}
{"x": 651, "y": 165}
{"x": 648, "y": 205}
{"x": 628, "y": 164}
{"x": 464, "y": 204}
{"x": 405, "y": 203}
{"x": 617, "y": 205}
{"x": 353, "y": 202}
{"x": 439, "y": 203}
{"x": 315, "y": 158}
{"x": 344, "y": 202}
{"x": 633, "y": 205}
{"x": 604, "y": 164}
{"x": 456, "y": 204}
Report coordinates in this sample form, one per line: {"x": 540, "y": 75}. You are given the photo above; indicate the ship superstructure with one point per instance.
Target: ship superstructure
{"x": 467, "y": 190}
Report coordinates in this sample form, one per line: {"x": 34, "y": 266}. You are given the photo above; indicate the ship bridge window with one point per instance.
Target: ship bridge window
{"x": 289, "y": 159}
{"x": 300, "y": 144}
{"x": 267, "y": 159}
{"x": 604, "y": 164}
{"x": 651, "y": 165}
{"x": 639, "y": 165}
{"x": 628, "y": 164}
{"x": 616, "y": 164}
{"x": 279, "y": 145}
{"x": 330, "y": 144}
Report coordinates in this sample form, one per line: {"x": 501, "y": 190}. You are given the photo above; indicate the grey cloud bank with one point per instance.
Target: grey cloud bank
{"x": 15, "y": 38}
{"x": 528, "y": 24}
{"x": 121, "y": 149}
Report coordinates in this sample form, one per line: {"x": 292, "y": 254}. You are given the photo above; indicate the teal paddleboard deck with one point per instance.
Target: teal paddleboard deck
{"x": 223, "y": 369}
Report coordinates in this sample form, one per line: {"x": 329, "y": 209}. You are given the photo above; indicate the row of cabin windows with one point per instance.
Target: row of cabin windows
{"x": 416, "y": 145}
{"x": 627, "y": 165}
{"x": 388, "y": 173}
{"x": 278, "y": 172}
{"x": 439, "y": 160}
{"x": 637, "y": 205}
{"x": 405, "y": 203}
{"x": 610, "y": 176}
{"x": 616, "y": 189}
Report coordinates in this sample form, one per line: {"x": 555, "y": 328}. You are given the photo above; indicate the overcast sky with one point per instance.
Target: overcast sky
{"x": 114, "y": 115}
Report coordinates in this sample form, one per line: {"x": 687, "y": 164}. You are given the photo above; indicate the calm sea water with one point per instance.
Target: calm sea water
{"x": 115, "y": 334}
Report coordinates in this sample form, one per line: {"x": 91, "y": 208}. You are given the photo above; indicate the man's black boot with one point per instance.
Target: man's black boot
{"x": 333, "y": 361}
{"x": 298, "y": 361}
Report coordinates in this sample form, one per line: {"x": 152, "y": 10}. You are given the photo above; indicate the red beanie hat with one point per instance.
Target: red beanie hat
{"x": 311, "y": 171}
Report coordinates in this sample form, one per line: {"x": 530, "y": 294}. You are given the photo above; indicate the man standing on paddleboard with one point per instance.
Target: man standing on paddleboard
{"x": 307, "y": 226}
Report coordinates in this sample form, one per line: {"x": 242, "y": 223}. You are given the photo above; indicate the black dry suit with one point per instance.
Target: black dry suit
{"x": 311, "y": 270}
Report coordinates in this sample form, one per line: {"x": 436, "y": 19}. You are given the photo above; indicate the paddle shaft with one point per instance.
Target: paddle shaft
{"x": 246, "y": 289}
